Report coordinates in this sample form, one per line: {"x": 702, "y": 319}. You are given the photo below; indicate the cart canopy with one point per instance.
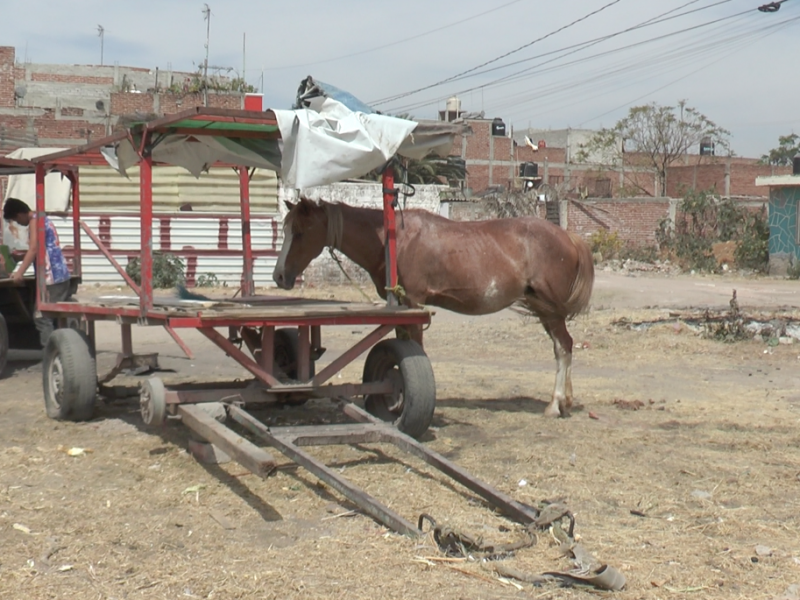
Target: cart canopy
{"x": 329, "y": 136}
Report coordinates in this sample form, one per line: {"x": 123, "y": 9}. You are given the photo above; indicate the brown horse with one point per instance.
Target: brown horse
{"x": 473, "y": 268}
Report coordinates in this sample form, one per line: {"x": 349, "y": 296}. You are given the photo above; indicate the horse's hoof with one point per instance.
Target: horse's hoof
{"x": 552, "y": 412}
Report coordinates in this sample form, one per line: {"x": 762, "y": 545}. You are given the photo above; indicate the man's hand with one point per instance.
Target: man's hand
{"x": 16, "y": 276}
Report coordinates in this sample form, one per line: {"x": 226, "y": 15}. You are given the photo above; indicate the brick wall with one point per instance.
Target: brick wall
{"x": 55, "y": 114}
{"x": 59, "y": 78}
{"x": 635, "y": 220}
{"x": 7, "y": 76}
{"x": 704, "y": 177}
{"x": 127, "y": 103}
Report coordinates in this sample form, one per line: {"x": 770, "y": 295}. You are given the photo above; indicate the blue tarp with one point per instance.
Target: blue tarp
{"x": 310, "y": 88}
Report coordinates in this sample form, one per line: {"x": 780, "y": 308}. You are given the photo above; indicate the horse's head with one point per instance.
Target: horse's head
{"x": 305, "y": 235}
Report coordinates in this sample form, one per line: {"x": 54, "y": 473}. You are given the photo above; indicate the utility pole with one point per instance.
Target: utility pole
{"x": 207, "y": 18}
{"x": 244, "y": 61}
{"x": 101, "y": 33}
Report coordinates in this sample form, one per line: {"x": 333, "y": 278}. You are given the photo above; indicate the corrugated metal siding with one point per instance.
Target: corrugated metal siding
{"x": 208, "y": 244}
{"x": 105, "y": 190}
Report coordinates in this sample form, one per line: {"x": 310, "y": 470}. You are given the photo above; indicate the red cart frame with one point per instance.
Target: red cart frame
{"x": 253, "y": 322}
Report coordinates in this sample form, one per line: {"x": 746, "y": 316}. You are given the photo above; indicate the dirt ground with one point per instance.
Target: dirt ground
{"x": 710, "y": 464}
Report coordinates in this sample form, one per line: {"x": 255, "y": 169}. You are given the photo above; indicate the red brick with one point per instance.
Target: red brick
{"x": 62, "y": 78}
{"x": 7, "y": 76}
{"x": 634, "y": 220}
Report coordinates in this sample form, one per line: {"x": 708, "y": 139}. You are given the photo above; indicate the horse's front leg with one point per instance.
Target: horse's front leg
{"x": 562, "y": 346}
{"x": 410, "y": 332}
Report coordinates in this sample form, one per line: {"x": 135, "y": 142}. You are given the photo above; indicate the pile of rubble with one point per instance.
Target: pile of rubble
{"x": 631, "y": 266}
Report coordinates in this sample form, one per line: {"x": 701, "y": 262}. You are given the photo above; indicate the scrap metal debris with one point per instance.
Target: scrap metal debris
{"x": 587, "y": 570}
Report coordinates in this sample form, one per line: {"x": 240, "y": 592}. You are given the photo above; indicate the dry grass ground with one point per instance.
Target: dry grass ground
{"x": 711, "y": 461}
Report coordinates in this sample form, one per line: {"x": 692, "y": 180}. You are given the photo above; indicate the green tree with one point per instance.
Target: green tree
{"x": 788, "y": 147}
{"x": 660, "y": 135}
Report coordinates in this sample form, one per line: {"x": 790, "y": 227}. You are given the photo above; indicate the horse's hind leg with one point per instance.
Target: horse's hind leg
{"x": 562, "y": 346}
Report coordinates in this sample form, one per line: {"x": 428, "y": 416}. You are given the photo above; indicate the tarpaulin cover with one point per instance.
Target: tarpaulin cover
{"x": 329, "y": 136}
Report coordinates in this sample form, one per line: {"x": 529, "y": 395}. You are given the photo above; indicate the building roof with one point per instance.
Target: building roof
{"x": 779, "y": 181}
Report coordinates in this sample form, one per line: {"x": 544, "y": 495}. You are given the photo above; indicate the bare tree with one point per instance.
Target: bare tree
{"x": 657, "y": 135}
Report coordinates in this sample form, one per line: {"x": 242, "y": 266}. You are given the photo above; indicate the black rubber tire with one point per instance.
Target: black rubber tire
{"x": 152, "y": 402}
{"x": 69, "y": 377}
{"x": 4, "y": 343}
{"x": 412, "y": 411}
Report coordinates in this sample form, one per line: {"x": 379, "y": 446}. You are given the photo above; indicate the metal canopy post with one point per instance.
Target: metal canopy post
{"x": 390, "y": 234}
{"x": 248, "y": 283}
{"x": 41, "y": 246}
{"x": 76, "y": 223}
{"x": 146, "y": 200}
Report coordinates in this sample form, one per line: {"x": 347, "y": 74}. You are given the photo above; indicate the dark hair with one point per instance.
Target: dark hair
{"x": 13, "y": 208}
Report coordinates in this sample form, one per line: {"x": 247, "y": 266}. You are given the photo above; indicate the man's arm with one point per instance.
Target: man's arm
{"x": 30, "y": 255}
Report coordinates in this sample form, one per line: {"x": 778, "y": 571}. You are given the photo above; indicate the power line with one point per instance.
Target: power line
{"x": 502, "y": 56}
{"x": 770, "y": 31}
{"x": 395, "y": 43}
{"x": 535, "y": 69}
{"x": 677, "y": 61}
{"x": 658, "y": 19}
{"x": 628, "y": 67}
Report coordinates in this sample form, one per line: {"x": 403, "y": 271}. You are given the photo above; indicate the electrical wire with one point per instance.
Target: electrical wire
{"x": 395, "y": 43}
{"x": 537, "y": 70}
{"x": 502, "y": 56}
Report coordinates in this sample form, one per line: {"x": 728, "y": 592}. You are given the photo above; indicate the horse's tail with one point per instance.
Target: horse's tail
{"x": 579, "y": 295}
{"x": 581, "y": 291}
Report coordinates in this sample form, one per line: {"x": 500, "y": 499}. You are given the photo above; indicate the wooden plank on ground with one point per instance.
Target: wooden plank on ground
{"x": 251, "y": 457}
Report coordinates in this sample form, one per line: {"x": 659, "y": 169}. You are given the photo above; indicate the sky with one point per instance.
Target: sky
{"x": 547, "y": 63}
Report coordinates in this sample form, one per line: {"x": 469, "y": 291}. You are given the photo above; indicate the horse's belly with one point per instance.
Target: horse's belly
{"x": 476, "y": 301}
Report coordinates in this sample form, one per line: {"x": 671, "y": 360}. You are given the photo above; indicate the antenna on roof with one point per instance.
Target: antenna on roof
{"x": 206, "y": 17}
{"x": 101, "y": 33}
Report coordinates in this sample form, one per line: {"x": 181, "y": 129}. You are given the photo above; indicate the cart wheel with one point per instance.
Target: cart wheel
{"x": 69, "y": 377}
{"x": 404, "y": 363}
{"x": 3, "y": 345}
{"x": 152, "y": 402}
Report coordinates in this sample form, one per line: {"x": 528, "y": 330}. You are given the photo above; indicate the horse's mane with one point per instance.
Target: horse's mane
{"x": 333, "y": 212}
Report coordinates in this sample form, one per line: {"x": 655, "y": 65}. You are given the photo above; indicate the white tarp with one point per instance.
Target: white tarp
{"x": 319, "y": 145}
{"x": 57, "y": 187}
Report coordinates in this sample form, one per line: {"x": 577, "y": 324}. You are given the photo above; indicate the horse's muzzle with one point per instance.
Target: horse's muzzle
{"x": 283, "y": 280}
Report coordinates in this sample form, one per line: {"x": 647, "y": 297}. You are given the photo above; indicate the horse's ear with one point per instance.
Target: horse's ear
{"x": 289, "y": 205}
{"x": 304, "y": 207}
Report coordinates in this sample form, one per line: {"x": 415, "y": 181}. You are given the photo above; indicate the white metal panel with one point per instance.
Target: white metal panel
{"x": 187, "y": 236}
{"x": 104, "y": 190}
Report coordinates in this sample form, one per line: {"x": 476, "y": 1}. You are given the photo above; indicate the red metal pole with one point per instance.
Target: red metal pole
{"x": 146, "y": 200}
{"x": 76, "y": 223}
{"x": 390, "y": 234}
{"x": 248, "y": 283}
{"x": 41, "y": 247}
